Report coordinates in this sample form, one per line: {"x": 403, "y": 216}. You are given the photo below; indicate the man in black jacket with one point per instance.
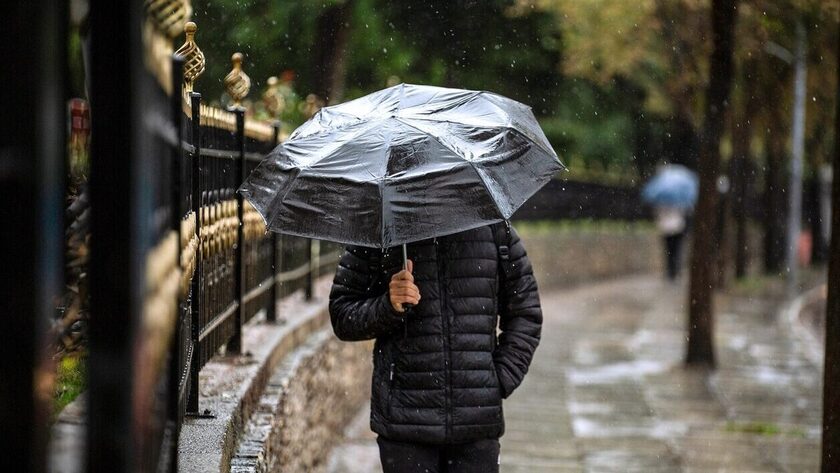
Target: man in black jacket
{"x": 441, "y": 370}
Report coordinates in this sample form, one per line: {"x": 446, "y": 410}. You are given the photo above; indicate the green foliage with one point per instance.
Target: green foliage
{"x": 763, "y": 428}
{"x": 485, "y": 45}
{"x": 70, "y": 380}
{"x": 589, "y": 129}
{"x": 616, "y": 85}
{"x": 273, "y": 36}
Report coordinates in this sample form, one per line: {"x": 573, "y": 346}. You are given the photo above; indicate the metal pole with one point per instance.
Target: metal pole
{"x": 314, "y": 266}
{"x": 32, "y": 145}
{"x": 271, "y": 313}
{"x": 797, "y": 150}
{"x": 176, "y": 205}
{"x": 119, "y": 233}
{"x": 406, "y": 307}
{"x": 195, "y": 311}
{"x": 235, "y": 343}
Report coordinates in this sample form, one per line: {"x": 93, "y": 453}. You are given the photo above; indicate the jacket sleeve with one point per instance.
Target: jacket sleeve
{"x": 520, "y": 318}
{"x": 360, "y": 308}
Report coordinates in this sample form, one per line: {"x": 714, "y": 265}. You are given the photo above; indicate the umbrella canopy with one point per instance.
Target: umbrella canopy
{"x": 403, "y": 164}
{"x": 673, "y": 186}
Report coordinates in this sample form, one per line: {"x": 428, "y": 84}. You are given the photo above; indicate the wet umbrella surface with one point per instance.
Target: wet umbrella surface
{"x": 403, "y": 164}
{"x": 673, "y": 186}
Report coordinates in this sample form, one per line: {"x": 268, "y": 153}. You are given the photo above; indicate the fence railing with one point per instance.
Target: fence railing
{"x": 240, "y": 269}
{"x": 208, "y": 264}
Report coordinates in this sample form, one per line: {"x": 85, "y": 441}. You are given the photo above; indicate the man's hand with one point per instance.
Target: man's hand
{"x": 402, "y": 290}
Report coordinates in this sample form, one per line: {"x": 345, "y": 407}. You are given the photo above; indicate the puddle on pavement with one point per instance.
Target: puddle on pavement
{"x": 588, "y": 427}
{"x": 584, "y": 408}
{"x": 616, "y": 372}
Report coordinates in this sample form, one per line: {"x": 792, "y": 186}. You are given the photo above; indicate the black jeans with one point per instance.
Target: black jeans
{"x": 481, "y": 456}
{"x": 673, "y": 254}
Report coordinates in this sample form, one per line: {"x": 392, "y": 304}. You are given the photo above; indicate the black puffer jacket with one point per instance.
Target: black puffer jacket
{"x": 440, "y": 373}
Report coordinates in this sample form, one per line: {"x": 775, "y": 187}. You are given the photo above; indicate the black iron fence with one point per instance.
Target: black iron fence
{"x": 179, "y": 263}
{"x": 240, "y": 269}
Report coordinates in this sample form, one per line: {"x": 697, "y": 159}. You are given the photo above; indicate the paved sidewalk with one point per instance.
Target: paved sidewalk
{"x": 607, "y": 391}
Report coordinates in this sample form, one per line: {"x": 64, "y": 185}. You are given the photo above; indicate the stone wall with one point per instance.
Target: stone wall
{"x": 328, "y": 390}
{"x": 564, "y": 257}
{"x": 306, "y": 404}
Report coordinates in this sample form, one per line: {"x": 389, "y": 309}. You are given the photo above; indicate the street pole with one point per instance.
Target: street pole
{"x": 797, "y": 150}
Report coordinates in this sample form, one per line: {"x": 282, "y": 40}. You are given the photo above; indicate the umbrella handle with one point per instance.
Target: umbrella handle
{"x": 406, "y": 306}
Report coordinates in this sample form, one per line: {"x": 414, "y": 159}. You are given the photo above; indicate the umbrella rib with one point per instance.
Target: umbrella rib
{"x": 508, "y": 127}
{"x": 551, "y": 152}
{"x": 468, "y": 161}
{"x": 274, "y": 204}
{"x": 455, "y": 152}
{"x": 355, "y": 135}
{"x": 486, "y": 187}
{"x": 383, "y": 178}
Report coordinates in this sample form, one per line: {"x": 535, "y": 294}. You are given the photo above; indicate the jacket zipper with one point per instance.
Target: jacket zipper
{"x": 390, "y": 390}
{"x": 446, "y": 355}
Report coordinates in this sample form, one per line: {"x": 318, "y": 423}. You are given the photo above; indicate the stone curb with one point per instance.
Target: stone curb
{"x": 812, "y": 347}
{"x": 306, "y": 406}
{"x": 231, "y": 386}
{"x": 252, "y": 453}
{"x": 68, "y": 438}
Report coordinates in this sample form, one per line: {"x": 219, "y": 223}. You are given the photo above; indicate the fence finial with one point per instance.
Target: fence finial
{"x": 311, "y": 106}
{"x": 272, "y": 98}
{"x": 237, "y": 83}
{"x": 193, "y": 57}
{"x": 168, "y": 16}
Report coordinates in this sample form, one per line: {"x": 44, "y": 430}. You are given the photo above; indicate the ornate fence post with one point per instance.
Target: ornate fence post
{"x": 193, "y": 67}
{"x": 313, "y": 104}
{"x": 115, "y": 271}
{"x": 195, "y": 141}
{"x": 237, "y": 84}
{"x": 174, "y": 405}
{"x": 31, "y": 203}
{"x": 271, "y": 314}
{"x": 274, "y": 105}
{"x": 314, "y": 266}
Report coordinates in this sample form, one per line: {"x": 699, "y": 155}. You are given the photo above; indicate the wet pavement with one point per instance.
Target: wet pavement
{"x": 607, "y": 391}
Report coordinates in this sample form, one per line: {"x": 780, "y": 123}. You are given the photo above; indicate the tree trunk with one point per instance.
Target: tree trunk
{"x": 700, "y": 304}
{"x": 775, "y": 204}
{"x": 831, "y": 393}
{"x": 741, "y": 169}
{"x": 330, "y": 51}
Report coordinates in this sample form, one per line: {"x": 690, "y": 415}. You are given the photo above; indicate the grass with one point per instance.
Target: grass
{"x": 70, "y": 380}
{"x": 773, "y": 285}
{"x": 757, "y": 284}
{"x": 549, "y": 227}
{"x": 762, "y": 428}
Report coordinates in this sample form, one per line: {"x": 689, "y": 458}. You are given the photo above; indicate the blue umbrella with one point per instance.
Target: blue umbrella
{"x": 673, "y": 186}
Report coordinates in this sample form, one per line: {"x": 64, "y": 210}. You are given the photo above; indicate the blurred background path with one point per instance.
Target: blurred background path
{"x": 608, "y": 392}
